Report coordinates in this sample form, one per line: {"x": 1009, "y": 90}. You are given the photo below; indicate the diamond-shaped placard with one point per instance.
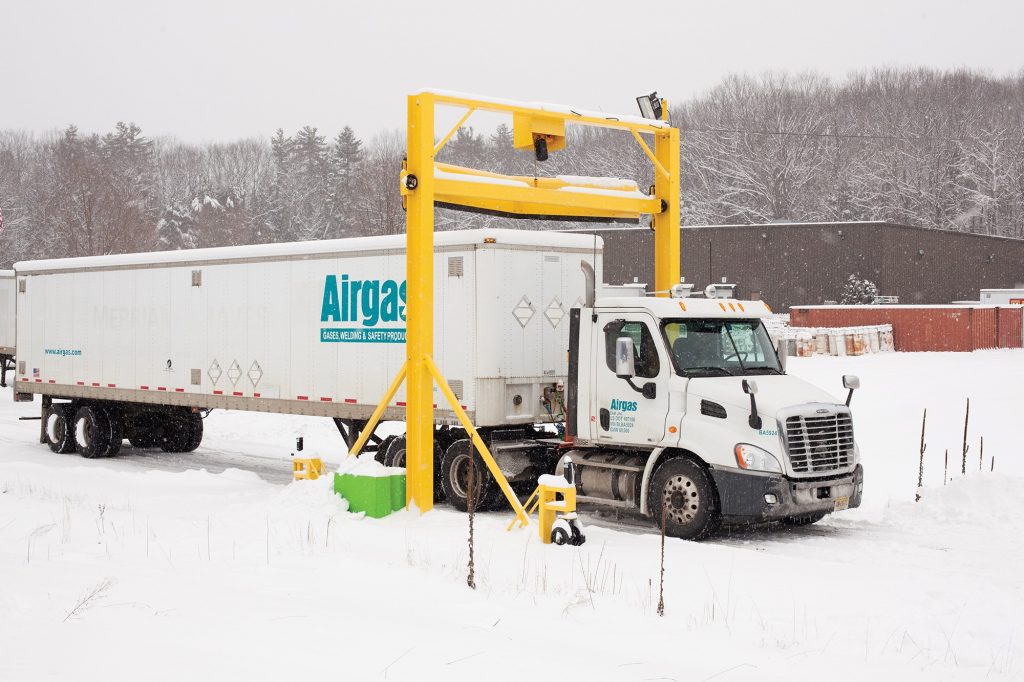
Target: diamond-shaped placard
{"x": 554, "y": 312}
{"x": 234, "y": 372}
{"x": 214, "y": 372}
{"x": 523, "y": 312}
{"x": 579, "y": 303}
{"x": 255, "y": 373}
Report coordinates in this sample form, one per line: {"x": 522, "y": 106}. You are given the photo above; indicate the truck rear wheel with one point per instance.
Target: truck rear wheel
{"x": 394, "y": 456}
{"x": 144, "y": 430}
{"x": 60, "y": 433}
{"x": 683, "y": 491}
{"x": 455, "y": 478}
{"x": 92, "y": 432}
{"x": 175, "y": 432}
{"x": 195, "y": 430}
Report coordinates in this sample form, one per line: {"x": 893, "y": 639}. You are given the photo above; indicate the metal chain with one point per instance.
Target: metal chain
{"x": 471, "y": 506}
{"x": 661, "y": 584}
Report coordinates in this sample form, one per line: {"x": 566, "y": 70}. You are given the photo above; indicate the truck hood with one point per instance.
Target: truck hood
{"x": 774, "y": 392}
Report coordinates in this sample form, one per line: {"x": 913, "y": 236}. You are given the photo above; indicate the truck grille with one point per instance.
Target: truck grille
{"x": 820, "y": 443}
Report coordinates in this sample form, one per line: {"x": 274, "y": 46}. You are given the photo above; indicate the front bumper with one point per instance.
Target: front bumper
{"x": 746, "y": 497}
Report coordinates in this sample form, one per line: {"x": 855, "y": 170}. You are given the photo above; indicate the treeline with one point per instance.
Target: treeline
{"x": 936, "y": 149}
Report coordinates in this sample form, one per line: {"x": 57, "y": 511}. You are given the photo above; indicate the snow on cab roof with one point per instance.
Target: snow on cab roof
{"x": 690, "y": 307}
{"x": 6, "y": 273}
{"x": 396, "y": 242}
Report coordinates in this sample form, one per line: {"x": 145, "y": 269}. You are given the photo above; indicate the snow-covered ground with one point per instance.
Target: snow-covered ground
{"x": 211, "y": 566}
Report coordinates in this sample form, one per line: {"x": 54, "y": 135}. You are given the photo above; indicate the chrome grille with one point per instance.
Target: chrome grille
{"x": 820, "y": 443}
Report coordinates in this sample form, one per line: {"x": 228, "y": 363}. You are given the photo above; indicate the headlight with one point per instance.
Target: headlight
{"x": 755, "y": 459}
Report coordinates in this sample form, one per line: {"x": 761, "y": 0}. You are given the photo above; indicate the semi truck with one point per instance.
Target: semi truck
{"x": 676, "y": 407}
{"x": 7, "y": 331}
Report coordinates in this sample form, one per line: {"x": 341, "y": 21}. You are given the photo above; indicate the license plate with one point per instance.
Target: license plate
{"x": 842, "y": 503}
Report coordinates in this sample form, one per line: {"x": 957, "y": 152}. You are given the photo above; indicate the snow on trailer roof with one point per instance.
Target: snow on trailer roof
{"x": 501, "y": 237}
{"x": 6, "y": 273}
{"x": 553, "y": 108}
{"x": 690, "y": 307}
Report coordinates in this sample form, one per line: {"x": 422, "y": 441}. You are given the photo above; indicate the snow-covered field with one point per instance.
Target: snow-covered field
{"x": 211, "y": 566}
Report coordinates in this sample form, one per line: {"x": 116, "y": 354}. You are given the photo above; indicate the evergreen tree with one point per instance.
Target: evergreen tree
{"x": 858, "y": 291}
{"x": 346, "y": 158}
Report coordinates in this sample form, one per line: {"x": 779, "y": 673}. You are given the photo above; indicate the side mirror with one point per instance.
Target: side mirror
{"x": 750, "y": 388}
{"x": 851, "y": 382}
{"x": 624, "y": 365}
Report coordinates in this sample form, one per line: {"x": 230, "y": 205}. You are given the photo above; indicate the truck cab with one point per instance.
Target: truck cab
{"x": 681, "y": 408}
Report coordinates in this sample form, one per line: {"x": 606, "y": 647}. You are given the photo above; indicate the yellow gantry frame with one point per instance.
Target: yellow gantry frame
{"x": 425, "y": 183}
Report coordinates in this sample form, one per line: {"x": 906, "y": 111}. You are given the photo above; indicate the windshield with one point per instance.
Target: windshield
{"x": 702, "y": 348}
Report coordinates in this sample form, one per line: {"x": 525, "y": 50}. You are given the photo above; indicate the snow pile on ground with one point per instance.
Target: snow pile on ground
{"x": 116, "y": 570}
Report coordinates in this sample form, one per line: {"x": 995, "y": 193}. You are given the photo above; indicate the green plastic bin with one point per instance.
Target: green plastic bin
{"x": 377, "y": 496}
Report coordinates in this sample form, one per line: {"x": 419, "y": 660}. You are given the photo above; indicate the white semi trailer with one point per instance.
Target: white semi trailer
{"x": 658, "y": 397}
{"x": 7, "y": 305}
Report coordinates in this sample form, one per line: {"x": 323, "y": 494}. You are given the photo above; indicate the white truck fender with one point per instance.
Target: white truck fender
{"x": 645, "y": 481}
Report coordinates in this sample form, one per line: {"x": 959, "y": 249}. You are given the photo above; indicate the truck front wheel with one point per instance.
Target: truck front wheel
{"x": 684, "y": 493}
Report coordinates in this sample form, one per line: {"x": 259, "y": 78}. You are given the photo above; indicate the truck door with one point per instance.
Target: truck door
{"x": 619, "y": 413}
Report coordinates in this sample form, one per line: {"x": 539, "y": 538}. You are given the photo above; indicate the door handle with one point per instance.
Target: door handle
{"x": 606, "y": 418}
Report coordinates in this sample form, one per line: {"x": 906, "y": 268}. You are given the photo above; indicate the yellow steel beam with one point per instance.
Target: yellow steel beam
{"x": 526, "y": 200}
{"x": 419, "y": 341}
{"x": 440, "y": 145}
{"x": 658, "y": 168}
{"x": 357, "y": 447}
{"x": 587, "y": 118}
{"x": 666, "y": 223}
{"x": 481, "y": 447}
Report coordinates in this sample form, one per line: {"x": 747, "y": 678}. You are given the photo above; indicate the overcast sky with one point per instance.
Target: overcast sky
{"x": 218, "y": 70}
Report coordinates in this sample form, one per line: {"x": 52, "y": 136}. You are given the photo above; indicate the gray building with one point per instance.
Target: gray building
{"x": 788, "y": 264}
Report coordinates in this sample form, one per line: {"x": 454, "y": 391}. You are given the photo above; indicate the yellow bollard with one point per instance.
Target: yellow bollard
{"x": 549, "y": 506}
{"x": 310, "y": 468}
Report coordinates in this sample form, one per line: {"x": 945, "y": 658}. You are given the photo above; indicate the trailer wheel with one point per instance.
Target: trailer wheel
{"x": 92, "y": 432}
{"x": 143, "y": 431}
{"x": 394, "y": 456}
{"x": 116, "y": 420}
{"x": 684, "y": 491}
{"x": 195, "y": 431}
{"x": 60, "y": 434}
{"x": 455, "y": 477}
{"x": 175, "y": 433}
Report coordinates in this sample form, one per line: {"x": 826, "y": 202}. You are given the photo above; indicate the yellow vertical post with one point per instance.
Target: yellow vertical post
{"x": 666, "y": 223}
{"x": 419, "y": 342}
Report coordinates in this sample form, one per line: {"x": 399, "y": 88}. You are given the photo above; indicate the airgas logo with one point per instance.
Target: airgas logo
{"x": 624, "y": 405}
{"x": 366, "y": 302}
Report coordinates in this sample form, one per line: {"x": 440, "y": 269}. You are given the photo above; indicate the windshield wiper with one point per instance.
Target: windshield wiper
{"x": 710, "y": 368}
{"x": 770, "y": 370}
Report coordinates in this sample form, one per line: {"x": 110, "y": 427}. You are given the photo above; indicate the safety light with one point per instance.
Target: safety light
{"x": 650, "y": 106}
{"x": 540, "y": 147}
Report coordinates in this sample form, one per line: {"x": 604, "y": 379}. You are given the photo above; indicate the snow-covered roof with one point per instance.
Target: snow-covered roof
{"x": 6, "y": 273}
{"x": 454, "y": 238}
{"x": 663, "y": 307}
{"x": 553, "y": 108}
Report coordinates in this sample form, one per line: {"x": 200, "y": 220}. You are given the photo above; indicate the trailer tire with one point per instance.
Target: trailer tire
{"x": 689, "y": 494}
{"x": 394, "y": 456}
{"x": 144, "y": 431}
{"x": 60, "y": 433}
{"x": 116, "y": 420}
{"x": 92, "y": 432}
{"x": 195, "y": 431}
{"x": 175, "y": 433}
{"x": 455, "y": 474}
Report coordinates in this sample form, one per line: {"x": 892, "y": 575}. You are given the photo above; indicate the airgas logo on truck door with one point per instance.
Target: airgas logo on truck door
{"x": 622, "y": 415}
{"x": 372, "y": 304}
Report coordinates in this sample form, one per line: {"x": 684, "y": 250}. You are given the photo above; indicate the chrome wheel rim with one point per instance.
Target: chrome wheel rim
{"x": 681, "y": 499}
